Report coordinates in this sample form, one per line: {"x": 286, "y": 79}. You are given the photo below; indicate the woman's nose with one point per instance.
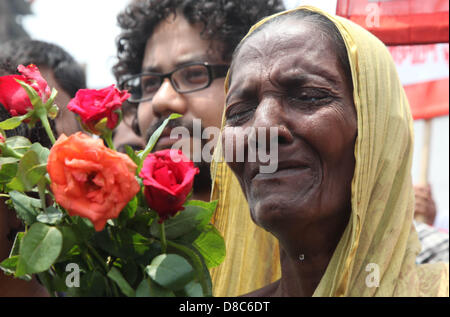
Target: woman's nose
{"x": 270, "y": 120}
{"x": 167, "y": 100}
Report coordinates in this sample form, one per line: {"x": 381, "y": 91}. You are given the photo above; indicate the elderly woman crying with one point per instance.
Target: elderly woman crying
{"x": 340, "y": 202}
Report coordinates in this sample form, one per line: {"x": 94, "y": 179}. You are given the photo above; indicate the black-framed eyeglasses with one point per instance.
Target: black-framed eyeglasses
{"x": 184, "y": 79}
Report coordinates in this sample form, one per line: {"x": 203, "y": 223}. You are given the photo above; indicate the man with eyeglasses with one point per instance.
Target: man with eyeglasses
{"x": 173, "y": 57}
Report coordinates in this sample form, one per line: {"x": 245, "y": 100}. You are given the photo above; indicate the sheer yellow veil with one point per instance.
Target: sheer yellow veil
{"x": 380, "y": 238}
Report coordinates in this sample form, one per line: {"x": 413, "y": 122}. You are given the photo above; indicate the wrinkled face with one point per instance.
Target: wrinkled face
{"x": 176, "y": 42}
{"x": 288, "y": 76}
{"x": 66, "y": 121}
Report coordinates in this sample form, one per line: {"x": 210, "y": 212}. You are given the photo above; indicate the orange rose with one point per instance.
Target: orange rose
{"x": 90, "y": 180}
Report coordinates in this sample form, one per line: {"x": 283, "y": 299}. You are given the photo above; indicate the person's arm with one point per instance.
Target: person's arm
{"x": 425, "y": 207}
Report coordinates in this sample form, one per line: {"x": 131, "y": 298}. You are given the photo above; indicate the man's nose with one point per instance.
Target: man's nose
{"x": 270, "y": 115}
{"x": 167, "y": 100}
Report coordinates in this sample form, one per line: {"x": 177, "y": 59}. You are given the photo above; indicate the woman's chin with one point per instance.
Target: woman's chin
{"x": 275, "y": 215}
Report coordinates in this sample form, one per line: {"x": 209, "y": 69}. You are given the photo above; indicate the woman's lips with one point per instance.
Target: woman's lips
{"x": 282, "y": 172}
{"x": 284, "y": 167}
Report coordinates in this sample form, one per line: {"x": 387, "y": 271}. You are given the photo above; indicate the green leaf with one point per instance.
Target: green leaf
{"x": 100, "y": 126}
{"x": 9, "y": 266}
{"x": 51, "y": 216}
{"x": 129, "y": 211}
{"x": 148, "y": 288}
{"x": 122, "y": 242}
{"x": 170, "y": 271}
{"x": 210, "y": 205}
{"x": 42, "y": 152}
{"x": 212, "y": 247}
{"x": 52, "y": 282}
{"x": 32, "y": 94}
{"x": 26, "y": 208}
{"x": 132, "y": 154}
{"x": 8, "y": 169}
{"x": 52, "y": 111}
{"x": 143, "y": 289}
{"x": 49, "y": 103}
{"x": 39, "y": 249}
{"x": 141, "y": 222}
{"x": 115, "y": 275}
{"x": 153, "y": 251}
{"x": 15, "y": 185}
{"x": 8, "y": 160}
{"x": 83, "y": 228}
{"x": 13, "y": 122}
{"x": 92, "y": 284}
{"x": 153, "y": 139}
{"x": 190, "y": 219}
{"x": 31, "y": 170}
{"x": 16, "y": 246}
{"x": 130, "y": 271}
{"x": 193, "y": 289}
{"x": 196, "y": 260}
{"x": 70, "y": 239}
{"x": 19, "y": 144}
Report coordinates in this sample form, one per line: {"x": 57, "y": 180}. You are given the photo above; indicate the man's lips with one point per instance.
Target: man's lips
{"x": 165, "y": 141}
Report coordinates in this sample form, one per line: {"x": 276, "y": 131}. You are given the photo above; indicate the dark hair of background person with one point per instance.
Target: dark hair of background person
{"x": 68, "y": 73}
{"x": 223, "y": 21}
{"x": 325, "y": 25}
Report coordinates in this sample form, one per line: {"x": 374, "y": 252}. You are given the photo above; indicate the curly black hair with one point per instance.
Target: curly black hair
{"x": 223, "y": 21}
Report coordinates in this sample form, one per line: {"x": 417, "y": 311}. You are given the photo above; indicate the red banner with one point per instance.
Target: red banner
{"x": 400, "y": 22}
{"x": 429, "y": 99}
{"x": 406, "y": 25}
{"x": 424, "y": 73}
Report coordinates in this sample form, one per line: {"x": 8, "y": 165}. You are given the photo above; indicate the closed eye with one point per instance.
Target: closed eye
{"x": 309, "y": 97}
{"x": 238, "y": 114}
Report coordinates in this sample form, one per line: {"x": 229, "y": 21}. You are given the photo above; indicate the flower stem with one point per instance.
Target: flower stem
{"x": 41, "y": 190}
{"x": 107, "y": 136}
{"x": 47, "y": 128}
{"x": 97, "y": 257}
{"x": 163, "y": 238}
{"x": 114, "y": 288}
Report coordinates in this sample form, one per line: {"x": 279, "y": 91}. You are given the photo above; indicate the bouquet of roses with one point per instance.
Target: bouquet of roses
{"x": 98, "y": 222}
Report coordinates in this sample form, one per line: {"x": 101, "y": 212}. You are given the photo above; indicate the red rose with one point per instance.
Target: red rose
{"x": 89, "y": 179}
{"x": 14, "y": 98}
{"x": 94, "y": 105}
{"x": 168, "y": 177}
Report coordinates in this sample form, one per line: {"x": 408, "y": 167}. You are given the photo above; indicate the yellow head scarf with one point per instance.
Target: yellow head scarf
{"x": 380, "y": 236}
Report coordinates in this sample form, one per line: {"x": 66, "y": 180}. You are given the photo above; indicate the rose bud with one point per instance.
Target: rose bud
{"x": 168, "y": 177}
{"x": 95, "y": 106}
{"x": 14, "y": 98}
